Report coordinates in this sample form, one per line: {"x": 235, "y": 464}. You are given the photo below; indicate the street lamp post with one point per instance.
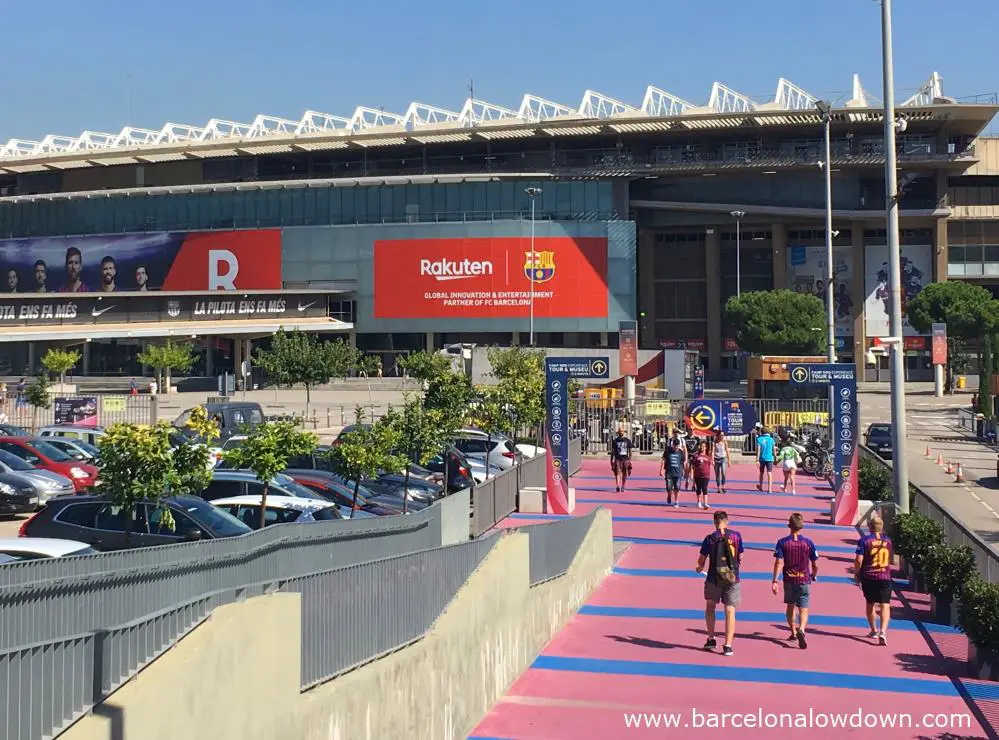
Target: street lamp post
{"x": 825, "y": 111}
{"x": 900, "y": 474}
{"x": 738, "y": 215}
{"x": 532, "y": 193}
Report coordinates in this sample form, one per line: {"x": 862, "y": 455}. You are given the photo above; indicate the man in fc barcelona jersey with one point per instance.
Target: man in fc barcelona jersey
{"x": 872, "y": 570}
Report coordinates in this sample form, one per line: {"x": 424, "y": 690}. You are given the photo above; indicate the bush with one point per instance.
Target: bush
{"x": 874, "y": 481}
{"x": 977, "y": 612}
{"x": 947, "y": 569}
{"x": 916, "y": 536}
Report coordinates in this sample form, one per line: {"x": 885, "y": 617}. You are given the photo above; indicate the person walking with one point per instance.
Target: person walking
{"x": 789, "y": 458}
{"x": 722, "y": 552}
{"x": 796, "y": 558}
{"x": 722, "y": 460}
{"x": 765, "y": 457}
{"x": 872, "y": 571}
{"x": 672, "y": 466}
{"x": 700, "y": 466}
{"x": 620, "y": 454}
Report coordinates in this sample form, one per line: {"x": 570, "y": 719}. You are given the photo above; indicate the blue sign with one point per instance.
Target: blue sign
{"x": 704, "y": 415}
{"x": 732, "y": 417}
{"x": 798, "y": 256}
{"x": 699, "y": 382}
{"x": 579, "y": 367}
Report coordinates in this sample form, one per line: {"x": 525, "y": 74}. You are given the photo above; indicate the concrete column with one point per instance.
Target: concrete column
{"x": 85, "y": 359}
{"x": 940, "y": 251}
{"x": 859, "y": 294}
{"x": 604, "y": 339}
{"x": 237, "y": 357}
{"x": 352, "y": 338}
{"x": 779, "y": 232}
{"x": 942, "y": 188}
{"x": 209, "y": 357}
{"x": 713, "y": 290}
{"x": 430, "y": 341}
{"x": 646, "y": 288}
{"x": 31, "y": 357}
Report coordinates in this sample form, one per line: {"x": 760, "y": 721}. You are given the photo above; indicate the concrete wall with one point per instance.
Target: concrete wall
{"x": 237, "y": 675}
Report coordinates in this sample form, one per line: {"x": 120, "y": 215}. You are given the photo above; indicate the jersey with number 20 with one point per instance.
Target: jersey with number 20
{"x": 876, "y": 551}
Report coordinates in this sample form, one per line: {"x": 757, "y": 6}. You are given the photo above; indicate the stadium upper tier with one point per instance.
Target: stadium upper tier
{"x": 370, "y": 127}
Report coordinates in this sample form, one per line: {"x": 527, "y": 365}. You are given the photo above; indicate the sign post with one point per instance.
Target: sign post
{"x": 628, "y": 358}
{"x": 699, "y": 382}
{"x": 558, "y": 430}
{"x": 844, "y": 423}
{"x": 939, "y": 358}
{"x": 732, "y": 417}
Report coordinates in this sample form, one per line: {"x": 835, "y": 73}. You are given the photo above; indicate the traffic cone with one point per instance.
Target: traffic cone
{"x": 929, "y": 452}
{"x": 950, "y": 468}
{"x": 939, "y": 458}
{"x": 960, "y": 475}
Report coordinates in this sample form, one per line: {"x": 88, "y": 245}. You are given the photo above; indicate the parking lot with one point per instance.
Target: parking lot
{"x": 9, "y": 527}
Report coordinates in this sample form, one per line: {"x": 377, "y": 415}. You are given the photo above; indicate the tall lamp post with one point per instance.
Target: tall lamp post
{"x": 900, "y": 474}
{"x": 738, "y": 216}
{"x": 532, "y": 193}
{"x": 825, "y": 112}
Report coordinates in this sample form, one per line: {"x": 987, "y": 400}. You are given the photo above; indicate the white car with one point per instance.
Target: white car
{"x": 497, "y": 448}
{"x": 530, "y": 451}
{"x": 280, "y": 510}
{"x": 40, "y": 548}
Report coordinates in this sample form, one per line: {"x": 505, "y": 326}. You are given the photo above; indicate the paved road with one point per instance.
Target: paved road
{"x": 933, "y": 422}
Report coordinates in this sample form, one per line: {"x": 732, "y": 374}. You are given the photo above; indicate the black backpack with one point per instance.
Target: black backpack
{"x": 724, "y": 567}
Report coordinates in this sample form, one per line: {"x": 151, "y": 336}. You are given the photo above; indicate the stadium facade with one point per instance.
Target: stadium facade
{"x": 414, "y": 231}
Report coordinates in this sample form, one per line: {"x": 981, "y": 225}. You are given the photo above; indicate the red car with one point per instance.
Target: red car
{"x": 36, "y": 451}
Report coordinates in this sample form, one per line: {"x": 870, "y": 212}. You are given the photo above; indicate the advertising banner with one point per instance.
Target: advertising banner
{"x": 939, "y": 344}
{"x": 484, "y": 278}
{"x": 917, "y": 271}
{"x": 807, "y": 274}
{"x": 176, "y": 261}
{"x": 80, "y": 410}
{"x": 732, "y": 417}
{"x": 628, "y": 348}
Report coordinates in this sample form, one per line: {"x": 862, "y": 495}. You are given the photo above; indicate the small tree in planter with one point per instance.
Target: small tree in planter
{"x": 38, "y": 394}
{"x": 947, "y": 569}
{"x": 60, "y": 362}
{"x": 874, "y": 481}
{"x": 915, "y": 536}
{"x": 977, "y": 610}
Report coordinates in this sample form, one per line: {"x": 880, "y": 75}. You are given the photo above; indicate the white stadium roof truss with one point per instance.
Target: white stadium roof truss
{"x": 427, "y": 122}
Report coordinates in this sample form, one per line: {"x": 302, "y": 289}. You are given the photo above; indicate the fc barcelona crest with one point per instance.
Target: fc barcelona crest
{"x": 543, "y": 268}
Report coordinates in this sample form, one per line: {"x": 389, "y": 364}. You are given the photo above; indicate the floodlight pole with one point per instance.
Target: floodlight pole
{"x": 738, "y": 215}
{"x": 826, "y": 111}
{"x": 532, "y": 193}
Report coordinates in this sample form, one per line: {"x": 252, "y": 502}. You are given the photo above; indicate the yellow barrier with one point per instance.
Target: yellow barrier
{"x": 773, "y": 419}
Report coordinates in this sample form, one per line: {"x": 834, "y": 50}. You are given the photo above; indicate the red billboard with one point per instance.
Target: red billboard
{"x": 489, "y": 278}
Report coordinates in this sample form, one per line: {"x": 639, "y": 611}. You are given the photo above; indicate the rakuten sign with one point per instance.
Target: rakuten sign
{"x": 452, "y": 270}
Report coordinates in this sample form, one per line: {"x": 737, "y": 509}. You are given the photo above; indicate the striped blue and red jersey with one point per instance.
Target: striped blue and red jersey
{"x": 876, "y": 551}
{"x": 798, "y": 553}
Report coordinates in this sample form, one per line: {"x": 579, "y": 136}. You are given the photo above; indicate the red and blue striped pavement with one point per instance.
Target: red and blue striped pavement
{"x": 636, "y": 645}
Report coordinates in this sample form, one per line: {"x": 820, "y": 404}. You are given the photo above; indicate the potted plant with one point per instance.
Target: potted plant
{"x": 977, "y": 615}
{"x": 946, "y": 569}
{"x": 915, "y": 537}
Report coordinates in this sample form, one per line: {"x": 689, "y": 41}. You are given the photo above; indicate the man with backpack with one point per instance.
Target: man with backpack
{"x": 796, "y": 557}
{"x": 721, "y": 551}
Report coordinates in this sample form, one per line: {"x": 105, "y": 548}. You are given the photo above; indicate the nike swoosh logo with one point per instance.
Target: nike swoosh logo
{"x": 98, "y": 311}
{"x": 307, "y": 305}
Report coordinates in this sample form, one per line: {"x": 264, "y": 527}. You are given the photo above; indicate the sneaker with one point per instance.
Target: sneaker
{"x": 710, "y": 644}
{"x": 793, "y": 636}
{"x": 882, "y": 639}
{"x": 706, "y": 505}
{"x": 872, "y": 634}
{"x": 676, "y": 505}
{"x": 801, "y": 640}
{"x": 727, "y": 650}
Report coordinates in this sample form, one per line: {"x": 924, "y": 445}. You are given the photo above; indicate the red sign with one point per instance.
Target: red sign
{"x": 628, "y": 348}
{"x": 939, "y": 344}
{"x": 485, "y": 278}
{"x": 731, "y": 345}
{"x": 227, "y": 260}
{"x": 914, "y": 343}
{"x": 698, "y": 344}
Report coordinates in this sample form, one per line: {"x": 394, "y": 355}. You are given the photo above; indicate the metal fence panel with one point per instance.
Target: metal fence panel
{"x": 553, "y": 545}
{"x": 483, "y": 506}
{"x": 112, "y": 408}
{"x": 575, "y": 455}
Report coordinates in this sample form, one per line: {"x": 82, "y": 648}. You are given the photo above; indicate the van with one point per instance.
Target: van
{"x": 233, "y": 418}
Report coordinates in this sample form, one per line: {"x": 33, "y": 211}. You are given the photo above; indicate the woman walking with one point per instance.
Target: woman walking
{"x": 722, "y": 460}
{"x": 789, "y": 457}
{"x": 700, "y": 465}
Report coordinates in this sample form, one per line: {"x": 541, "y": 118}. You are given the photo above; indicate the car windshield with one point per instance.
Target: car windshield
{"x": 293, "y": 487}
{"x": 212, "y": 518}
{"x": 880, "y": 431}
{"x": 52, "y": 453}
{"x": 90, "y": 449}
{"x": 13, "y": 462}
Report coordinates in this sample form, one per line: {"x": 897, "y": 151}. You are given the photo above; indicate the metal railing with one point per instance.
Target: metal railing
{"x": 110, "y": 408}
{"x": 553, "y": 545}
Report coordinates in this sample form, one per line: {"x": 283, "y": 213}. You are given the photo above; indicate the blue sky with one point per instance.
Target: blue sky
{"x": 102, "y": 64}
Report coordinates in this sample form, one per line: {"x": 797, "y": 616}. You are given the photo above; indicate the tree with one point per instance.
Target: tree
{"x": 39, "y": 396}
{"x": 968, "y": 310}
{"x": 520, "y": 376}
{"x": 985, "y": 378}
{"x": 167, "y": 357}
{"x": 425, "y": 366}
{"x": 491, "y": 415}
{"x": 365, "y": 451}
{"x": 192, "y": 457}
{"x": 136, "y": 464}
{"x": 60, "y": 361}
{"x": 419, "y": 435}
{"x": 298, "y": 358}
{"x": 266, "y": 450}
{"x": 777, "y": 322}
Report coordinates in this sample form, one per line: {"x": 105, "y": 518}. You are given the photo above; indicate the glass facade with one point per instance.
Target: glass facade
{"x": 277, "y": 206}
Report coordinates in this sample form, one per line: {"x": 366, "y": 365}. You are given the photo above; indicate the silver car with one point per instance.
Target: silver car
{"x": 497, "y": 448}
{"x": 45, "y": 483}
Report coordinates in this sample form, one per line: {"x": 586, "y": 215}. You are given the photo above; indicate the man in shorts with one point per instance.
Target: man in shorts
{"x": 796, "y": 557}
{"x": 672, "y": 465}
{"x": 765, "y": 451}
{"x": 620, "y": 454}
{"x": 872, "y": 570}
{"x": 722, "y": 552}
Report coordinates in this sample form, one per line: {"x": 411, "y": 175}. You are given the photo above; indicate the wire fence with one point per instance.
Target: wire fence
{"x": 96, "y": 409}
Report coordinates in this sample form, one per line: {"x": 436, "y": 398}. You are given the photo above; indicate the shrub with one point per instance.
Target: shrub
{"x": 947, "y": 569}
{"x": 977, "y": 612}
{"x": 874, "y": 481}
{"x": 915, "y": 536}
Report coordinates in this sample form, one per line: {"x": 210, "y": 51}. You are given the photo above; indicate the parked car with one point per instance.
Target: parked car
{"x": 393, "y": 484}
{"x": 100, "y": 524}
{"x": 280, "y": 510}
{"x": 46, "y": 483}
{"x": 878, "y": 440}
{"x": 41, "y": 548}
{"x": 77, "y": 449}
{"x": 10, "y": 430}
{"x": 332, "y": 488}
{"x": 90, "y": 435}
{"x": 230, "y": 483}
{"x": 233, "y": 418}
{"x": 36, "y": 451}
{"x": 17, "y": 496}
{"x": 459, "y": 469}
{"x": 530, "y": 451}
{"x": 498, "y": 449}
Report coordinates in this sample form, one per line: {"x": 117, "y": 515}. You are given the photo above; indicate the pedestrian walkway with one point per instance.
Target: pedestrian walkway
{"x": 631, "y": 663}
